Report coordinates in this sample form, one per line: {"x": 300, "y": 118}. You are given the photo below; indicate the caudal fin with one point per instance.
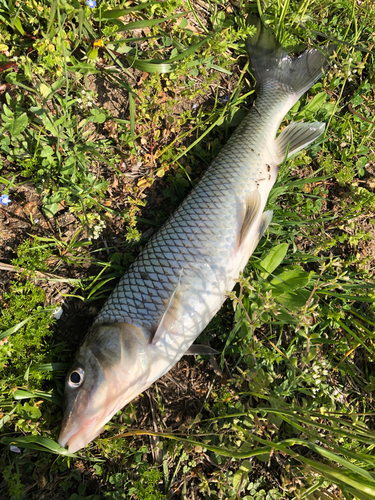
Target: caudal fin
{"x": 270, "y": 62}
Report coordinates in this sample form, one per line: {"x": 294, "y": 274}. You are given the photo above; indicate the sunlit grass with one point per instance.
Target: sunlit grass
{"x": 299, "y": 356}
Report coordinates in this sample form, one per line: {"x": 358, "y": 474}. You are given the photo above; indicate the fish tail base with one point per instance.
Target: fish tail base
{"x": 270, "y": 61}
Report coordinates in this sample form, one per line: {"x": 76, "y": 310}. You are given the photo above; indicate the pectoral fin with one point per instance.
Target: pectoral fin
{"x": 170, "y": 315}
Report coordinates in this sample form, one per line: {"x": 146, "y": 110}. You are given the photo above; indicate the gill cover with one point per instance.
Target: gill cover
{"x": 110, "y": 369}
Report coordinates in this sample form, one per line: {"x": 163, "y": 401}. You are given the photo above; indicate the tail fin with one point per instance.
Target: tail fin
{"x": 270, "y": 62}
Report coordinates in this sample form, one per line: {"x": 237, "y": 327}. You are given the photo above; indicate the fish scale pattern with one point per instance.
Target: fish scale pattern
{"x": 203, "y": 232}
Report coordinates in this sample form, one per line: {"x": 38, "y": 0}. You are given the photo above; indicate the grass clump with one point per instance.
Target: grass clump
{"x": 25, "y": 301}
{"x": 32, "y": 257}
{"x": 145, "y": 488}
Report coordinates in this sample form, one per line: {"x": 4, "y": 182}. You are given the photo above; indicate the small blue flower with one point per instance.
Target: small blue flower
{"x": 91, "y": 3}
{"x": 225, "y": 99}
{"x": 4, "y": 200}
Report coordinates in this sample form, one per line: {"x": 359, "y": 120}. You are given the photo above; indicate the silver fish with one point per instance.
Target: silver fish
{"x": 181, "y": 278}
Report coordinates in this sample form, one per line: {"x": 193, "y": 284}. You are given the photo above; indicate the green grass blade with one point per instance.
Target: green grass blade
{"x": 354, "y": 335}
{"x": 353, "y": 298}
{"x": 50, "y": 367}
{"x": 41, "y": 443}
{"x": 20, "y": 394}
{"x": 136, "y": 25}
{"x": 116, "y": 13}
{"x": 15, "y": 328}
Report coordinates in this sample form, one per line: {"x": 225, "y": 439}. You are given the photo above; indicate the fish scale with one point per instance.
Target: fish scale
{"x": 203, "y": 229}
{"x": 198, "y": 231}
{"x": 182, "y": 276}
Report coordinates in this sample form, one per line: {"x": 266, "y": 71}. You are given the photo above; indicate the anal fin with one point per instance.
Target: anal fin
{"x": 265, "y": 222}
{"x": 252, "y": 206}
{"x": 297, "y": 136}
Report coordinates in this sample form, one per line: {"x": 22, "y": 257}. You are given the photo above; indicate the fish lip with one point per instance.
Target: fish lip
{"x": 88, "y": 432}
{"x": 81, "y": 437}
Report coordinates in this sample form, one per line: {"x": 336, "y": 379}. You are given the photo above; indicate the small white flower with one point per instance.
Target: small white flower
{"x": 58, "y": 312}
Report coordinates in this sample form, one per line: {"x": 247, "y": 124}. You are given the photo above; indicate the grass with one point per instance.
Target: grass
{"x": 108, "y": 117}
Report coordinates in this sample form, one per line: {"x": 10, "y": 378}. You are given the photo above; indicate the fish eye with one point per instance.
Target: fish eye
{"x": 76, "y": 377}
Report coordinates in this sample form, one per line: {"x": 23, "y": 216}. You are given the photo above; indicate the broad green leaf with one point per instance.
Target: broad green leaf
{"x": 273, "y": 259}
{"x": 16, "y": 79}
{"x": 17, "y": 24}
{"x": 14, "y": 125}
{"x": 246, "y": 466}
{"x": 29, "y": 411}
{"x": 44, "y": 89}
{"x": 46, "y": 152}
{"x": 6, "y": 417}
{"x": 312, "y": 107}
{"x": 50, "y": 209}
{"x": 220, "y": 69}
{"x": 238, "y": 479}
{"x": 290, "y": 278}
{"x": 97, "y": 116}
{"x": 293, "y": 300}
{"x": 284, "y": 318}
{"x": 84, "y": 69}
{"x": 236, "y": 116}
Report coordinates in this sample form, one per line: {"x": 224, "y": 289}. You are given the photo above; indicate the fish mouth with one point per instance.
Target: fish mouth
{"x": 79, "y": 436}
{"x": 82, "y": 436}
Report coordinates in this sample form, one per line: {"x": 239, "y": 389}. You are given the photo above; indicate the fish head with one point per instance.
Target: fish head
{"x": 110, "y": 369}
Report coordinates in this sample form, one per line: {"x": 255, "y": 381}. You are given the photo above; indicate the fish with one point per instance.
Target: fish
{"x": 183, "y": 274}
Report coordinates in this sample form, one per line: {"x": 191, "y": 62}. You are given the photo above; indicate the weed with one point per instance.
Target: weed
{"x": 24, "y": 300}
{"x": 32, "y": 257}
